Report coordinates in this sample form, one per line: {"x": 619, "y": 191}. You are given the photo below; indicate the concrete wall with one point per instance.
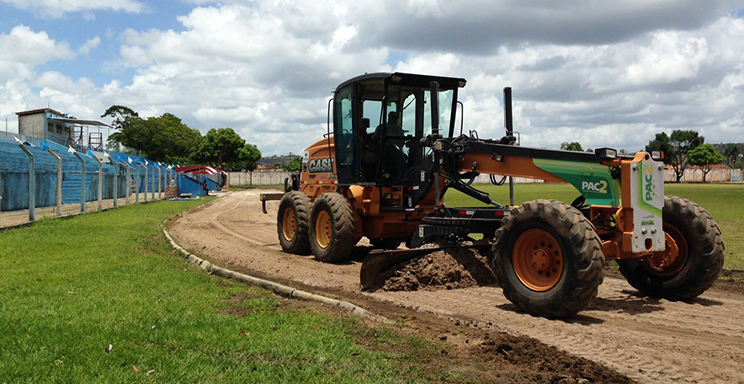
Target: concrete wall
{"x": 270, "y": 177}
{"x": 32, "y": 125}
{"x": 696, "y": 176}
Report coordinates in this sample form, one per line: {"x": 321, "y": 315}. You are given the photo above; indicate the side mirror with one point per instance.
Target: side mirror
{"x": 365, "y": 123}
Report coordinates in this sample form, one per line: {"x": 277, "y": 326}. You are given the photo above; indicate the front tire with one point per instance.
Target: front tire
{"x": 332, "y": 228}
{"x": 292, "y": 223}
{"x": 548, "y": 259}
{"x": 695, "y": 240}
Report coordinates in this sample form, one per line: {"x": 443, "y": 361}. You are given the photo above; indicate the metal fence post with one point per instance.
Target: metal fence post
{"x": 82, "y": 179}
{"x": 152, "y": 190}
{"x": 31, "y": 181}
{"x": 147, "y": 180}
{"x": 58, "y": 196}
{"x": 137, "y": 186}
{"x": 100, "y": 182}
{"x": 160, "y": 182}
{"x": 126, "y": 182}
{"x": 115, "y": 188}
{"x": 1, "y": 192}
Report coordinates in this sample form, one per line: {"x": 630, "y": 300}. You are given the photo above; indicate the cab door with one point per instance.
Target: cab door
{"x": 344, "y": 116}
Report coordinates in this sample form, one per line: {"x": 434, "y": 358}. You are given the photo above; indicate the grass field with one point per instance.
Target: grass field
{"x": 725, "y": 202}
{"x": 72, "y": 288}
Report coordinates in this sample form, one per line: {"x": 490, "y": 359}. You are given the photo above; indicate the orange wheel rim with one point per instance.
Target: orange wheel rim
{"x": 289, "y": 224}
{"x": 323, "y": 230}
{"x": 538, "y": 260}
{"x": 673, "y": 258}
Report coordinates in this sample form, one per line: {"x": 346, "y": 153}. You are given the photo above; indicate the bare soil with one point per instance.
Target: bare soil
{"x": 445, "y": 269}
{"x": 647, "y": 340}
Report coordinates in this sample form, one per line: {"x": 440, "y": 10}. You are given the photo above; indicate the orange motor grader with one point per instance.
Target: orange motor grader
{"x": 391, "y": 153}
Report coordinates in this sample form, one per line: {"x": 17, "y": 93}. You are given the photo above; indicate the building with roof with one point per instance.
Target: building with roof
{"x": 61, "y": 128}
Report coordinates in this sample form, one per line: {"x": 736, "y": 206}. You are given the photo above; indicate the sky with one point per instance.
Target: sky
{"x": 606, "y": 74}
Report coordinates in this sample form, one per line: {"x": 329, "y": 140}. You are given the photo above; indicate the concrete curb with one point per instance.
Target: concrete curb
{"x": 274, "y": 287}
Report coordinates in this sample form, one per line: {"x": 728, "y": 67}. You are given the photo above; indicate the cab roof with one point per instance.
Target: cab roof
{"x": 411, "y": 79}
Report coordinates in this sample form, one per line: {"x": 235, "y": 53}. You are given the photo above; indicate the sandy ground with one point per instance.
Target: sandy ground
{"x": 651, "y": 341}
{"x": 13, "y": 218}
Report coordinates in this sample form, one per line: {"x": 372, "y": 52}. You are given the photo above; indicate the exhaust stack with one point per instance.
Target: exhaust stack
{"x": 508, "y": 122}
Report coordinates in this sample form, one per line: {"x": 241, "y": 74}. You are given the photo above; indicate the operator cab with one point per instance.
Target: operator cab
{"x": 381, "y": 121}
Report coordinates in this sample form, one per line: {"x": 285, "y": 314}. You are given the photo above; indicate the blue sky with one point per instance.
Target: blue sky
{"x": 78, "y": 27}
{"x": 606, "y": 73}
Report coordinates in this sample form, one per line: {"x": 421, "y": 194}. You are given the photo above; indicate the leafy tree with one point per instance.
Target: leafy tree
{"x": 662, "y": 143}
{"x": 731, "y": 153}
{"x": 589, "y": 150}
{"x": 705, "y": 156}
{"x": 122, "y": 116}
{"x": 572, "y": 146}
{"x": 294, "y": 164}
{"x": 248, "y": 158}
{"x": 225, "y": 149}
{"x": 163, "y": 138}
{"x": 682, "y": 142}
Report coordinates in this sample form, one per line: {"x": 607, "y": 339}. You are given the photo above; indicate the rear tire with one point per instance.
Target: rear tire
{"x": 332, "y": 228}
{"x": 548, "y": 259}
{"x": 698, "y": 239}
{"x": 292, "y": 223}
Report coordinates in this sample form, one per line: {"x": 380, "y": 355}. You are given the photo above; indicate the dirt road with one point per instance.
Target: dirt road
{"x": 651, "y": 341}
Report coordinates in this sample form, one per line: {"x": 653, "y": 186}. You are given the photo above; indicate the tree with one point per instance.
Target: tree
{"x": 163, "y": 138}
{"x": 294, "y": 164}
{"x": 573, "y": 146}
{"x": 682, "y": 142}
{"x": 225, "y": 149}
{"x": 122, "y": 116}
{"x": 731, "y": 153}
{"x": 705, "y": 156}
{"x": 662, "y": 143}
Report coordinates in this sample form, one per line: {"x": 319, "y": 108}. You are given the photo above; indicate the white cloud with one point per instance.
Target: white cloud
{"x": 89, "y": 45}
{"x": 58, "y": 8}
{"x": 22, "y": 50}
{"x": 603, "y": 74}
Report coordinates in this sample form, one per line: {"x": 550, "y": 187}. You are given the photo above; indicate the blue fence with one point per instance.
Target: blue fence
{"x": 15, "y": 175}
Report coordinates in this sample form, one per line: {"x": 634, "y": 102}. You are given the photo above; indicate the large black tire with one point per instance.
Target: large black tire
{"x": 332, "y": 228}
{"x": 292, "y": 223}
{"x": 692, "y": 274}
{"x": 579, "y": 259}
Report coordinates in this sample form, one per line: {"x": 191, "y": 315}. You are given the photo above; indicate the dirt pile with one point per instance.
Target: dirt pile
{"x": 448, "y": 269}
{"x": 547, "y": 363}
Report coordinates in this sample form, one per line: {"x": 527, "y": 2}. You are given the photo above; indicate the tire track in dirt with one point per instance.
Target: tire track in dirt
{"x": 652, "y": 341}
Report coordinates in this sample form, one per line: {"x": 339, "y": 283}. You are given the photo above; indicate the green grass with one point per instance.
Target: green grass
{"x": 725, "y": 202}
{"x": 69, "y": 288}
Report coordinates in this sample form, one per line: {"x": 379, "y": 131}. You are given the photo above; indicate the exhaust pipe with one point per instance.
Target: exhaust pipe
{"x": 508, "y": 123}
{"x": 434, "y": 109}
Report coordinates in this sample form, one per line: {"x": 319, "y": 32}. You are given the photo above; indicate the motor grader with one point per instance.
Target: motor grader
{"x": 387, "y": 180}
